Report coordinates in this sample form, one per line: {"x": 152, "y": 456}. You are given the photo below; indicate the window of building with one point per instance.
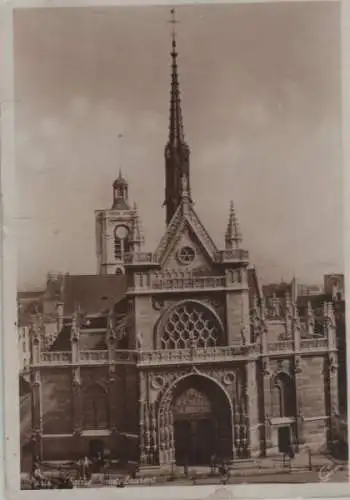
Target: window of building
{"x": 283, "y": 396}
{"x": 121, "y": 242}
{"x": 95, "y": 408}
{"x": 191, "y": 325}
{"x": 186, "y": 255}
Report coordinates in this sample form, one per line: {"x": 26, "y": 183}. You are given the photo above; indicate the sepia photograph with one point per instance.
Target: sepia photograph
{"x": 180, "y": 284}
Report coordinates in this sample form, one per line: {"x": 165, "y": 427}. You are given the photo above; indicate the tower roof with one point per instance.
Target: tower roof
{"x": 120, "y": 193}
{"x": 120, "y": 180}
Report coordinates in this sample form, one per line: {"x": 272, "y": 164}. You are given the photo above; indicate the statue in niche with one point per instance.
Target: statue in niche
{"x": 139, "y": 340}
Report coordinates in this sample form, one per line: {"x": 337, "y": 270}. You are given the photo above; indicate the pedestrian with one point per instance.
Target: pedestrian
{"x": 213, "y": 463}
{"x": 86, "y": 468}
{"x": 224, "y": 473}
{"x": 186, "y": 467}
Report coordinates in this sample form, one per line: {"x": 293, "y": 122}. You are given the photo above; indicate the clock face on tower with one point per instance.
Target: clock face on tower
{"x": 121, "y": 232}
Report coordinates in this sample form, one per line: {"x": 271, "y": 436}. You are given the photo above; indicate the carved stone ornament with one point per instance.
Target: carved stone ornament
{"x": 333, "y": 364}
{"x": 297, "y": 366}
{"x": 194, "y": 369}
{"x": 157, "y": 304}
{"x": 76, "y": 381}
{"x": 157, "y": 382}
{"x": 214, "y": 303}
{"x": 266, "y": 367}
{"x": 228, "y": 378}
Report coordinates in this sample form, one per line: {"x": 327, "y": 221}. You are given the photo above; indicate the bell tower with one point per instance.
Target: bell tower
{"x": 177, "y": 152}
{"x": 118, "y": 230}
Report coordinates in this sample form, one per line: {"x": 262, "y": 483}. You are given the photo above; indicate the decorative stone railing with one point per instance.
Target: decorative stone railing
{"x": 210, "y": 354}
{"x": 175, "y": 356}
{"x": 310, "y": 344}
{"x": 233, "y": 255}
{"x": 55, "y": 357}
{"x": 280, "y": 345}
{"x": 198, "y": 282}
{"x": 141, "y": 258}
{"x": 168, "y": 282}
{"x": 93, "y": 356}
{"x": 126, "y": 356}
{"x": 314, "y": 343}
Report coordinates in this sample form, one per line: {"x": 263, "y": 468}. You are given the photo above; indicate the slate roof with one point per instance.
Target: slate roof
{"x": 94, "y": 293}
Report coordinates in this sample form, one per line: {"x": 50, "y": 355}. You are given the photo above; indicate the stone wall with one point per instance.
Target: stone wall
{"x": 237, "y": 311}
{"x": 312, "y": 401}
{"x": 57, "y": 407}
{"x": 145, "y": 319}
{"x": 131, "y": 408}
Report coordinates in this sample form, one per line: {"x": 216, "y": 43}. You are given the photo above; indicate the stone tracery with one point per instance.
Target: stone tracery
{"x": 188, "y": 325}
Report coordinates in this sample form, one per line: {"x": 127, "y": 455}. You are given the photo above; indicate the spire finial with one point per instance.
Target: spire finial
{"x": 120, "y": 137}
{"x": 173, "y": 21}
{"x": 233, "y": 235}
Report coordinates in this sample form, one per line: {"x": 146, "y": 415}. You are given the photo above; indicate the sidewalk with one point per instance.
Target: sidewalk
{"x": 239, "y": 468}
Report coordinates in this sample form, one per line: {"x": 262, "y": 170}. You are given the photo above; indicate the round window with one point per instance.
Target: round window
{"x": 186, "y": 255}
{"x": 121, "y": 232}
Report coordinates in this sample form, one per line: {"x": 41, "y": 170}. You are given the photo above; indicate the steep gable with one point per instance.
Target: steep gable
{"x": 186, "y": 238}
{"x": 185, "y": 229}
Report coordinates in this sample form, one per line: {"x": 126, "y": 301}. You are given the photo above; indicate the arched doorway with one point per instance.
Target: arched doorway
{"x": 201, "y": 418}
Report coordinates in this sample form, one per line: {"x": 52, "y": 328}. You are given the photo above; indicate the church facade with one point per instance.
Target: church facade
{"x": 172, "y": 356}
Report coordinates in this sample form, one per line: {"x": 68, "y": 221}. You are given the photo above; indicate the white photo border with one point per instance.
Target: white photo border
{"x": 9, "y": 449}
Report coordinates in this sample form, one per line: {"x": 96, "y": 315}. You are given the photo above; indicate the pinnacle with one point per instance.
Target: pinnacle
{"x": 233, "y": 235}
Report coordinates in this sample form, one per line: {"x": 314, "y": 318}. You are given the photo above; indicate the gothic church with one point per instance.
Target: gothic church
{"x": 172, "y": 356}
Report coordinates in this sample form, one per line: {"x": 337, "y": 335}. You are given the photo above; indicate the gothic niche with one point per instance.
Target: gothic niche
{"x": 95, "y": 407}
{"x": 191, "y": 325}
{"x": 121, "y": 242}
{"x": 283, "y": 396}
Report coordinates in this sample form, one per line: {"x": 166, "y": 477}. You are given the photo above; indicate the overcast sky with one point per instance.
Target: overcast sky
{"x": 262, "y": 115}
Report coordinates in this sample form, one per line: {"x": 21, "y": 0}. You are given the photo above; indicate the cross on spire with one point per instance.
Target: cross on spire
{"x": 173, "y": 21}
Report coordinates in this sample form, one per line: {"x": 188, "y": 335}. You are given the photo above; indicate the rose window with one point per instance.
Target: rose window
{"x": 190, "y": 325}
{"x": 186, "y": 255}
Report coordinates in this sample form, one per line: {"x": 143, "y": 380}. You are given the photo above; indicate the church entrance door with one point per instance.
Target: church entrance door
{"x": 202, "y": 422}
{"x": 194, "y": 441}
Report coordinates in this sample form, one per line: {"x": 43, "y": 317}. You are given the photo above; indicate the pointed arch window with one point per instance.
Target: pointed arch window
{"x": 191, "y": 325}
{"x": 283, "y": 396}
{"x": 95, "y": 408}
{"x": 121, "y": 242}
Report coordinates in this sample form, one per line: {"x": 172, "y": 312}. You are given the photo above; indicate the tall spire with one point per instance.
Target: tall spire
{"x": 176, "y": 151}
{"x": 233, "y": 237}
{"x": 176, "y": 130}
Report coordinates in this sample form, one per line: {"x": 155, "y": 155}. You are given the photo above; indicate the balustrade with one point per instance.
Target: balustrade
{"x": 177, "y": 281}
{"x": 173, "y": 356}
{"x": 280, "y": 345}
{"x": 235, "y": 254}
{"x": 93, "y": 356}
{"x": 55, "y": 357}
{"x": 305, "y": 344}
{"x": 209, "y": 354}
{"x": 314, "y": 343}
{"x": 141, "y": 258}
